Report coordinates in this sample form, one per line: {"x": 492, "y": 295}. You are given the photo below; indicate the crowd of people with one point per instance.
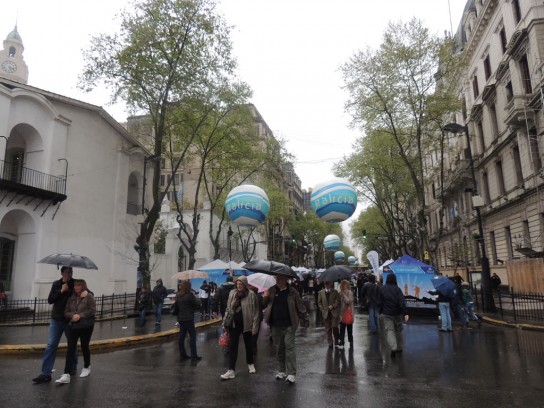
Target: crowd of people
{"x": 242, "y": 309}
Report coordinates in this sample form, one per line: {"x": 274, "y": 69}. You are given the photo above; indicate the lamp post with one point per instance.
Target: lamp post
{"x": 230, "y": 232}
{"x": 488, "y": 301}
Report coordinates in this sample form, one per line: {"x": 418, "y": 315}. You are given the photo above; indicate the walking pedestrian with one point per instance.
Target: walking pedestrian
{"x": 204, "y": 294}
{"x": 392, "y": 305}
{"x": 241, "y": 318}
{"x": 60, "y": 292}
{"x": 370, "y": 296}
{"x": 328, "y": 302}
{"x": 346, "y": 313}
{"x": 468, "y": 303}
{"x": 141, "y": 304}
{"x": 158, "y": 295}
{"x": 80, "y": 312}
{"x": 444, "y": 307}
{"x": 457, "y": 302}
{"x": 222, "y": 296}
{"x": 185, "y": 307}
{"x": 283, "y": 310}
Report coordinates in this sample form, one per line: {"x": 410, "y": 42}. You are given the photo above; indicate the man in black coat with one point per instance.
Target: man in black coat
{"x": 392, "y": 305}
{"x": 219, "y": 302}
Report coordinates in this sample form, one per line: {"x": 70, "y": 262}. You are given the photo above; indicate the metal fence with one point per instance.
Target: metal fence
{"x": 39, "y": 310}
{"x": 517, "y": 305}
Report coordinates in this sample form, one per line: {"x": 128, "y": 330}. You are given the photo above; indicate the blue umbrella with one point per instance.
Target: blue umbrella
{"x": 444, "y": 285}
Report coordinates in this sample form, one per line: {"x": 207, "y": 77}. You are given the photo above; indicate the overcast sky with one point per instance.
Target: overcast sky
{"x": 288, "y": 51}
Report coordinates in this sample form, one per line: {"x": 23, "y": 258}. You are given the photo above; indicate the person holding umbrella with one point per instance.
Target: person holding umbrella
{"x": 392, "y": 305}
{"x": 283, "y": 309}
{"x": 241, "y": 318}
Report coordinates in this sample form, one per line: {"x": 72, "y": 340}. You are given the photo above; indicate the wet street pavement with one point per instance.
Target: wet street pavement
{"x": 489, "y": 366}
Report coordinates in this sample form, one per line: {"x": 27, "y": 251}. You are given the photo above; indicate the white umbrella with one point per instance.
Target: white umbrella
{"x": 261, "y": 281}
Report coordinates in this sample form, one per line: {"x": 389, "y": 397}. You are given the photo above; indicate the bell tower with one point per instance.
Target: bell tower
{"x": 12, "y": 64}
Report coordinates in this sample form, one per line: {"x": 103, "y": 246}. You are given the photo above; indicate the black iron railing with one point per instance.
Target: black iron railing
{"x": 517, "y": 305}
{"x": 39, "y": 310}
{"x": 13, "y": 173}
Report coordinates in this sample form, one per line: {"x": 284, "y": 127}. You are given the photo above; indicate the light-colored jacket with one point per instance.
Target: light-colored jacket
{"x": 346, "y": 300}
{"x": 323, "y": 303}
{"x": 250, "y": 310}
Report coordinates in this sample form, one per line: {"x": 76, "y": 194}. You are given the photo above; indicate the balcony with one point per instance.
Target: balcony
{"x": 516, "y": 111}
{"x": 31, "y": 183}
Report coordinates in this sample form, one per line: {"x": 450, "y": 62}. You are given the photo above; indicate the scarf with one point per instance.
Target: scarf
{"x": 238, "y": 300}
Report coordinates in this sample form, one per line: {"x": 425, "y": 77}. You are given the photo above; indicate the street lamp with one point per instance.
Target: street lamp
{"x": 477, "y": 202}
{"x": 229, "y": 235}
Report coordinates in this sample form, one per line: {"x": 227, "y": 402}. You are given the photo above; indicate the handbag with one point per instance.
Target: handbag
{"x": 347, "y": 317}
{"x": 82, "y": 323}
{"x": 228, "y": 320}
{"x": 224, "y": 340}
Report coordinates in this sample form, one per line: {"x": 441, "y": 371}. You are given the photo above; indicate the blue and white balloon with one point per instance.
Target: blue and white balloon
{"x": 334, "y": 200}
{"x": 339, "y": 256}
{"x": 331, "y": 242}
{"x": 247, "y": 205}
{"x": 352, "y": 260}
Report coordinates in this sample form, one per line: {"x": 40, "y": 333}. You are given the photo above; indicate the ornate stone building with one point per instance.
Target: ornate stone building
{"x": 502, "y": 94}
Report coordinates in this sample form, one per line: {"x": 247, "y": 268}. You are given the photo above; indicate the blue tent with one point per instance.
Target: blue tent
{"x": 414, "y": 279}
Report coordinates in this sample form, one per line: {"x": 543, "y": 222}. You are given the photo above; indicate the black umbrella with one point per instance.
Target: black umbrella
{"x": 75, "y": 261}
{"x": 335, "y": 273}
{"x": 270, "y": 268}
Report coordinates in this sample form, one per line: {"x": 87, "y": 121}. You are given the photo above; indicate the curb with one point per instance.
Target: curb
{"x": 104, "y": 345}
{"x": 520, "y": 326}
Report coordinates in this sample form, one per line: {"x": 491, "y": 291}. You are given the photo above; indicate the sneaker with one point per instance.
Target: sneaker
{"x": 157, "y": 323}
{"x": 290, "y": 379}
{"x": 340, "y": 347}
{"x": 176, "y": 324}
{"x": 42, "y": 378}
{"x": 85, "y": 372}
{"x": 251, "y": 368}
{"x": 64, "y": 379}
{"x": 228, "y": 375}
{"x": 281, "y": 376}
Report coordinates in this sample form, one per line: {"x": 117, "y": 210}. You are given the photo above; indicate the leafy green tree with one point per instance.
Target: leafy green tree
{"x": 393, "y": 92}
{"x": 167, "y": 52}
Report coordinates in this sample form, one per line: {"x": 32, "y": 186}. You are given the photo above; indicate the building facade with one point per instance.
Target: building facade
{"x": 68, "y": 175}
{"x": 502, "y": 96}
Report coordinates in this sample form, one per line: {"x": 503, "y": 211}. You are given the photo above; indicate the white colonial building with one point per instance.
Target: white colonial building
{"x": 70, "y": 182}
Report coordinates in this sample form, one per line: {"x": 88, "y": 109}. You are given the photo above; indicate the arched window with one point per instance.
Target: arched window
{"x": 12, "y": 51}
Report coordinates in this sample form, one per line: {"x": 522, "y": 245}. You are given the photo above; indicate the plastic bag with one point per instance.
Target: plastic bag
{"x": 224, "y": 340}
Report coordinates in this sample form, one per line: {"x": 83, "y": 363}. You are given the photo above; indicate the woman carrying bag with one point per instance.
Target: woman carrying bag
{"x": 80, "y": 312}
{"x": 346, "y": 313}
{"x": 241, "y": 318}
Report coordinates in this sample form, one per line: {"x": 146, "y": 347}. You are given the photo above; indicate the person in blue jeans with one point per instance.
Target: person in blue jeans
{"x": 370, "y": 295}
{"x": 158, "y": 295}
{"x": 61, "y": 290}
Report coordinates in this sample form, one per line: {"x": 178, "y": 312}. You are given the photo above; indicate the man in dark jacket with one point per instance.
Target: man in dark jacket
{"x": 61, "y": 290}
{"x": 219, "y": 303}
{"x": 392, "y": 305}
{"x": 158, "y": 296}
{"x": 370, "y": 294}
